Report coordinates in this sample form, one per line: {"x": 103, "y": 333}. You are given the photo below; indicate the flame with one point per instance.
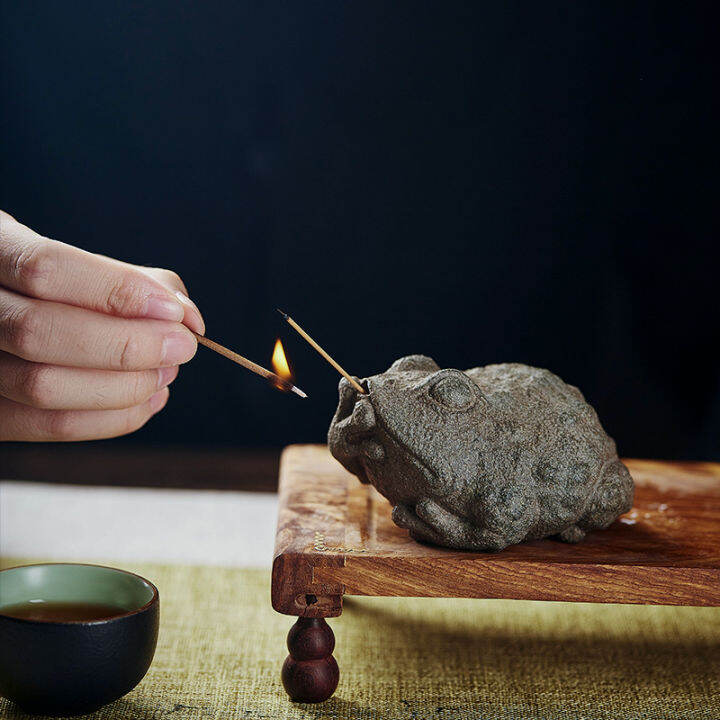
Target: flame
{"x": 280, "y": 363}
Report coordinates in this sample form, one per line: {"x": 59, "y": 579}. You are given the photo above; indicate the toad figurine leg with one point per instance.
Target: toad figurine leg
{"x": 432, "y": 523}
{"x": 310, "y": 673}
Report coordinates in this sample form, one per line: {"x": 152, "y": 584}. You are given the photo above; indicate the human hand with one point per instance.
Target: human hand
{"x": 88, "y": 345}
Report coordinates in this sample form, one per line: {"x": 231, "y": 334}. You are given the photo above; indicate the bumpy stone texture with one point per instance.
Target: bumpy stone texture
{"x": 481, "y": 459}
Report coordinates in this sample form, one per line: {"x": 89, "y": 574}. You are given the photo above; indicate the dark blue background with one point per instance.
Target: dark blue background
{"x": 480, "y": 182}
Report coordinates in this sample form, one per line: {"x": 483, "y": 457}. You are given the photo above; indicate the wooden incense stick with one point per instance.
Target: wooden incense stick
{"x": 249, "y": 364}
{"x": 336, "y": 365}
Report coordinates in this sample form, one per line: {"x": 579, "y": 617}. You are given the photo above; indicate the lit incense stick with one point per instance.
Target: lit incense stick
{"x": 249, "y": 364}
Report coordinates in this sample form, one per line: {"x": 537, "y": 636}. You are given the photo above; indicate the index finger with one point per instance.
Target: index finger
{"x": 51, "y": 270}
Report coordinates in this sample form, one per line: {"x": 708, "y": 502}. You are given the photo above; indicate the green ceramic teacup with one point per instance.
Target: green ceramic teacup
{"x": 66, "y": 666}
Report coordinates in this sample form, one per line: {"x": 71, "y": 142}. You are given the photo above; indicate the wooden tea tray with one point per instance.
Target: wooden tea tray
{"x": 335, "y": 537}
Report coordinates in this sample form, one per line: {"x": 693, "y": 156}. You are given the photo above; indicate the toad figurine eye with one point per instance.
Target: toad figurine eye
{"x": 454, "y": 390}
{"x": 481, "y": 459}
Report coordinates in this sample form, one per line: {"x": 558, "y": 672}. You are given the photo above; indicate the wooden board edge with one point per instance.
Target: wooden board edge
{"x": 517, "y": 580}
{"x": 306, "y": 504}
{"x": 297, "y": 590}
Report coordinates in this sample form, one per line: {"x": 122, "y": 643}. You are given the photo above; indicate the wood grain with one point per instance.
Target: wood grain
{"x": 335, "y": 537}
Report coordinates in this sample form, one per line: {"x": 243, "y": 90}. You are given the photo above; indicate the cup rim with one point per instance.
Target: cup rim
{"x": 110, "y": 618}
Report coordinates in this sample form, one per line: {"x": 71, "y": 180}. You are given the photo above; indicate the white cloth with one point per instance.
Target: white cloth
{"x": 204, "y": 527}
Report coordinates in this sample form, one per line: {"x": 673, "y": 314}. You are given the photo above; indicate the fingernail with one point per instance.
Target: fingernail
{"x": 166, "y": 375}
{"x": 195, "y": 319}
{"x": 178, "y": 347}
{"x": 158, "y": 400}
{"x": 163, "y": 308}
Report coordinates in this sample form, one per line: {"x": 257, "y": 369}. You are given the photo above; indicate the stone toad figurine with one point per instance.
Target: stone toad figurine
{"x": 481, "y": 459}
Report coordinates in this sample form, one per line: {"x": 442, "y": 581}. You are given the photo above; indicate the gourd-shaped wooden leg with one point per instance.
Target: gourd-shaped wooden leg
{"x": 310, "y": 673}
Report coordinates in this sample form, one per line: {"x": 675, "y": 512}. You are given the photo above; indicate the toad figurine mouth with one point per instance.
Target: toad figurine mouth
{"x": 481, "y": 459}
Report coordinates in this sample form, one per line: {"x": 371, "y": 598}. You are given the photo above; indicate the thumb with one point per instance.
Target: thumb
{"x": 172, "y": 281}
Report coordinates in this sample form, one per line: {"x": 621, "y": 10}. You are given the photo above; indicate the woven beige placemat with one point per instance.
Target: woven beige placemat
{"x": 221, "y": 647}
